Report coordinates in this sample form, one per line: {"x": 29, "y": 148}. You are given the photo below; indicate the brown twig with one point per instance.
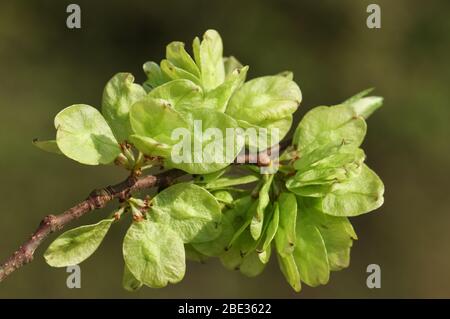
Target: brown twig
{"x": 262, "y": 158}
{"x": 97, "y": 199}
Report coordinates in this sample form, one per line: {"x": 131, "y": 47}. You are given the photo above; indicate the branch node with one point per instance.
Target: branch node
{"x": 51, "y": 222}
{"x": 264, "y": 160}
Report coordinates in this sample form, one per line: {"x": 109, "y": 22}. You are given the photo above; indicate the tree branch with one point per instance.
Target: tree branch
{"x": 97, "y": 199}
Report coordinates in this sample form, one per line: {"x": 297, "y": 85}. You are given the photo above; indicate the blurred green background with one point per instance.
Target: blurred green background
{"x": 46, "y": 67}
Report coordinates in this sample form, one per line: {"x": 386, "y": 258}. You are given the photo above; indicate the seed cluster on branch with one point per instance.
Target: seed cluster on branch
{"x": 233, "y": 187}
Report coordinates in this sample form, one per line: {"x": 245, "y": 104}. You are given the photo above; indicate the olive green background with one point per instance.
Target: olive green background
{"x": 45, "y": 67}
